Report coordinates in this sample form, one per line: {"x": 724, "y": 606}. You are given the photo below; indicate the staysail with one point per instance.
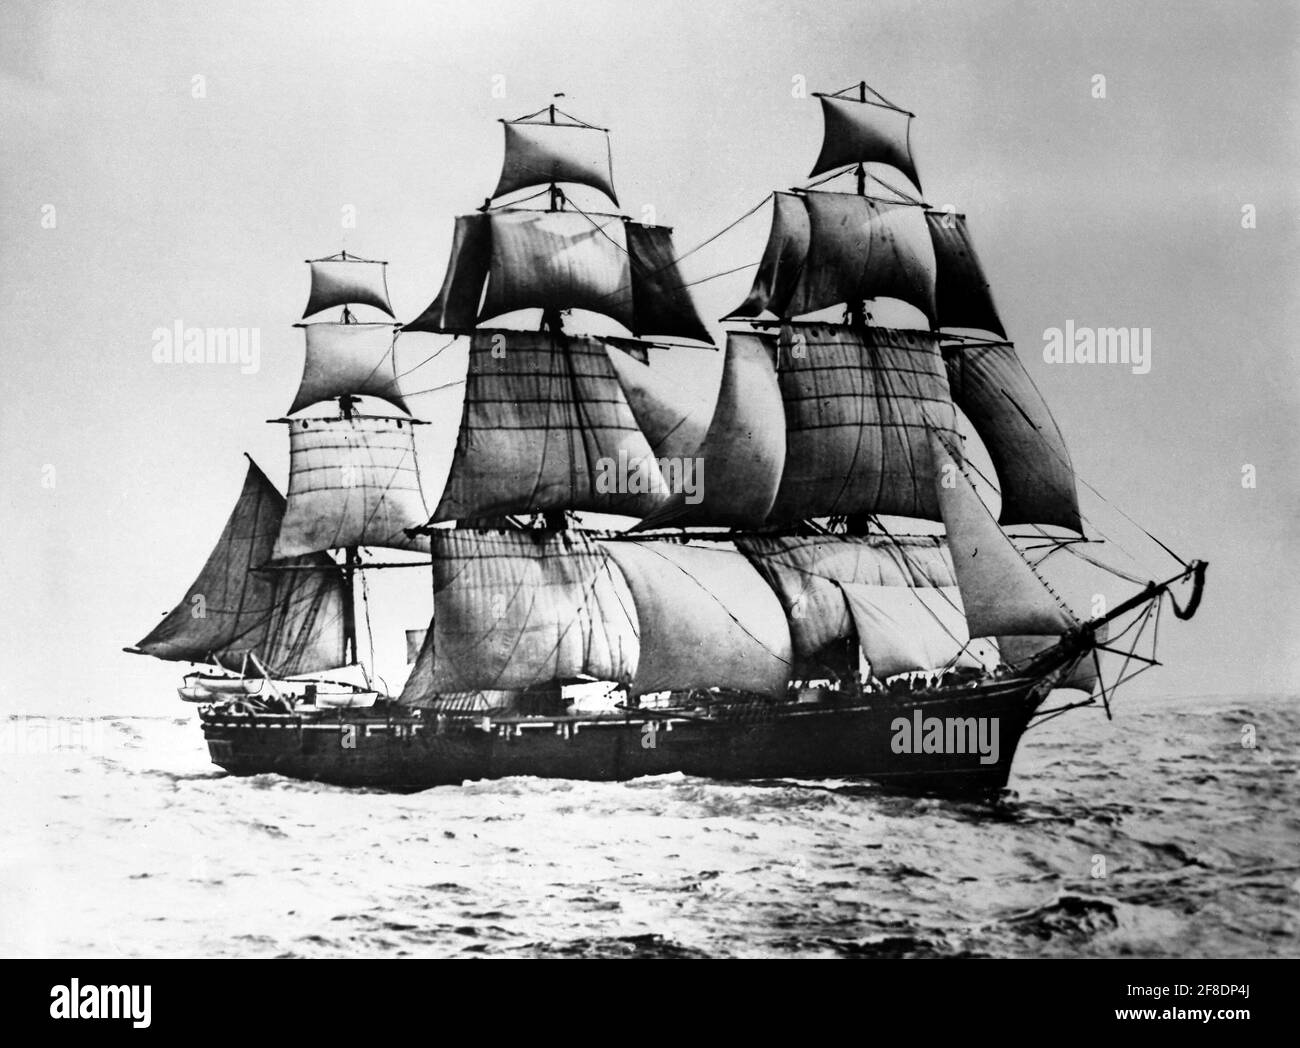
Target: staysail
{"x": 673, "y": 420}
{"x": 743, "y": 451}
{"x": 990, "y": 384}
{"x": 902, "y": 630}
{"x": 1000, "y": 591}
{"x": 291, "y": 620}
{"x": 1083, "y": 675}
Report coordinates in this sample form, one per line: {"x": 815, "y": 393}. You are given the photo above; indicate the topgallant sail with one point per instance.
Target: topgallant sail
{"x": 758, "y": 616}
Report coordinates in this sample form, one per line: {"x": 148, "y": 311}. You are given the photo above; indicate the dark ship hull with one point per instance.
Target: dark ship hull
{"x": 392, "y": 747}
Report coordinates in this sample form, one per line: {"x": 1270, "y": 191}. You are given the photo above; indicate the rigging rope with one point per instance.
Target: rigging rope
{"x": 645, "y": 272}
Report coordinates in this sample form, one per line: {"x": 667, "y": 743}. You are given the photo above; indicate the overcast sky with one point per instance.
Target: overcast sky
{"x": 1117, "y": 211}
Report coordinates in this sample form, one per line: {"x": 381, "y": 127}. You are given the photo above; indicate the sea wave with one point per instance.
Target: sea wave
{"x": 1158, "y": 834}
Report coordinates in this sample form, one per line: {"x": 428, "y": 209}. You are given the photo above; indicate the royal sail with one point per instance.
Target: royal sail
{"x": 858, "y": 131}
{"x": 345, "y": 280}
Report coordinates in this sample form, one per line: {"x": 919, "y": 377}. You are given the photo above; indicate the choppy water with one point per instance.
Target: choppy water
{"x": 119, "y": 838}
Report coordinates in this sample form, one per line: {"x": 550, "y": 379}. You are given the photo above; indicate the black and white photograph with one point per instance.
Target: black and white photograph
{"x": 594, "y": 480}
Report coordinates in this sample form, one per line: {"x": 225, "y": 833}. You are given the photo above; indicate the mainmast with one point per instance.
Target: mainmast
{"x": 353, "y": 479}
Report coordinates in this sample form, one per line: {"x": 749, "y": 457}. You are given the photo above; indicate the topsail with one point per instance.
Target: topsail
{"x": 352, "y": 482}
{"x": 546, "y": 426}
{"x": 348, "y": 360}
{"x": 828, "y": 249}
{"x": 509, "y": 260}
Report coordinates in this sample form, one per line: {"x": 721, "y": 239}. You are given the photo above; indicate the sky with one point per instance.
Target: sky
{"x": 136, "y": 196}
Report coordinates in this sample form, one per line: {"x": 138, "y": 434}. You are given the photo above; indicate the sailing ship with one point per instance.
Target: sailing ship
{"x": 756, "y": 617}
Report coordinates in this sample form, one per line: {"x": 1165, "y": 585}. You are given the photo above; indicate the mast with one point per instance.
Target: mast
{"x": 351, "y": 559}
{"x": 862, "y": 170}
{"x": 353, "y": 478}
{"x": 859, "y": 523}
{"x": 351, "y": 554}
{"x": 858, "y": 315}
{"x": 556, "y": 195}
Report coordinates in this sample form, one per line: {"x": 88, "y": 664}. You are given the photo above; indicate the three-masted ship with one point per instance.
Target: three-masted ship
{"x": 757, "y": 617}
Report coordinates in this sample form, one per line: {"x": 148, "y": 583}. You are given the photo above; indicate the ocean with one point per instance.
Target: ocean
{"x": 1172, "y": 831}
